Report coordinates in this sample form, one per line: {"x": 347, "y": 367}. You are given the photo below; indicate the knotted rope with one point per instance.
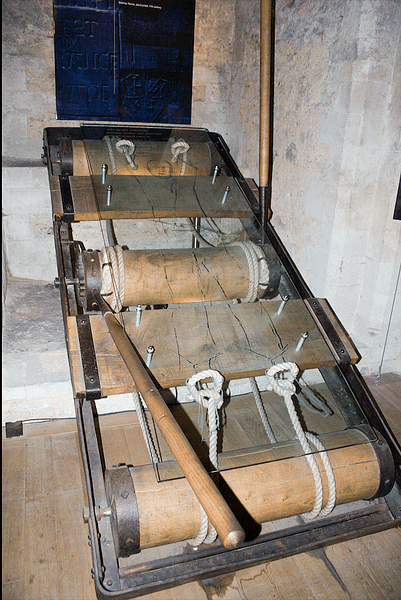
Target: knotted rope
{"x": 177, "y": 148}
{"x": 286, "y": 388}
{"x": 258, "y": 269}
{"x": 212, "y": 399}
{"x": 127, "y": 148}
{"x": 113, "y": 275}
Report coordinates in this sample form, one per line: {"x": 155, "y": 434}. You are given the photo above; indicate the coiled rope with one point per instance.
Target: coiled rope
{"x": 177, "y": 148}
{"x": 286, "y": 388}
{"x": 258, "y": 269}
{"x": 113, "y": 275}
{"x": 143, "y": 422}
{"x": 212, "y": 399}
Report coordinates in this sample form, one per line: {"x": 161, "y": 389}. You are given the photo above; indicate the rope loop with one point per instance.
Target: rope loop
{"x": 127, "y": 148}
{"x": 282, "y": 386}
{"x": 212, "y": 399}
{"x": 286, "y": 388}
{"x": 206, "y": 395}
{"x": 177, "y": 148}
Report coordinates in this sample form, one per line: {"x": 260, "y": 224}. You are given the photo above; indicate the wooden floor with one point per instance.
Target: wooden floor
{"x": 45, "y": 545}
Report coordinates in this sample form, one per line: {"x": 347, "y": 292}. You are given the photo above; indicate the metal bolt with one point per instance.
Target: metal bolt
{"x": 303, "y": 337}
{"x": 216, "y": 170}
{"x": 138, "y": 315}
{"x": 109, "y": 190}
{"x": 104, "y": 173}
{"x": 109, "y": 582}
{"x": 225, "y": 194}
{"x": 283, "y": 303}
{"x": 149, "y": 355}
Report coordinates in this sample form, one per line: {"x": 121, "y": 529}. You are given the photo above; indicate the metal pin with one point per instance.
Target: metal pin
{"x": 225, "y": 194}
{"x": 104, "y": 173}
{"x": 149, "y": 355}
{"x": 303, "y": 337}
{"x": 216, "y": 170}
{"x": 109, "y": 190}
{"x": 283, "y": 303}
{"x": 138, "y": 315}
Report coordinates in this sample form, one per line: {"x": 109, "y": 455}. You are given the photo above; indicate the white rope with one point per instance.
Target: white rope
{"x": 111, "y": 154}
{"x": 262, "y": 411}
{"x": 127, "y": 148}
{"x": 212, "y": 399}
{"x": 143, "y": 422}
{"x": 113, "y": 276}
{"x": 180, "y": 147}
{"x": 285, "y": 388}
{"x": 258, "y": 269}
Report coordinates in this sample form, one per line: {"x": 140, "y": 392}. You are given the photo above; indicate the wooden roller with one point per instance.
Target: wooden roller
{"x": 169, "y": 512}
{"x": 151, "y": 158}
{"x": 185, "y": 275}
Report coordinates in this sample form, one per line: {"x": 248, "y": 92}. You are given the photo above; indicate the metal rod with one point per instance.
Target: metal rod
{"x": 216, "y": 170}
{"x": 138, "y": 315}
{"x": 302, "y": 339}
{"x": 215, "y": 506}
{"x": 226, "y": 192}
{"x": 109, "y": 190}
{"x": 149, "y": 355}
{"x": 104, "y": 173}
{"x": 283, "y": 303}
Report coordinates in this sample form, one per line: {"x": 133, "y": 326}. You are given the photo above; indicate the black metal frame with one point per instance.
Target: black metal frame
{"x": 114, "y": 582}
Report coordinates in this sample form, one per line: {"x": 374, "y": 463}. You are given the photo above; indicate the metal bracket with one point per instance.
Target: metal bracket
{"x": 328, "y": 330}
{"x": 66, "y": 198}
{"x": 88, "y": 358}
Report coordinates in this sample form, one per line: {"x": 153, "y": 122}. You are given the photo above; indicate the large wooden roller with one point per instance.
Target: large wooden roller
{"x": 162, "y": 512}
{"x": 173, "y": 276}
{"x": 151, "y": 158}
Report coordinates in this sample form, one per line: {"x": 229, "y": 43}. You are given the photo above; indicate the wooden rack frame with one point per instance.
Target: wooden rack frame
{"x": 97, "y": 370}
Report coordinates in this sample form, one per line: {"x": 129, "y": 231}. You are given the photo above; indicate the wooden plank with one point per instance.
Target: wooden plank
{"x": 321, "y": 576}
{"x": 74, "y": 356}
{"x": 384, "y": 571}
{"x": 41, "y": 562}
{"x": 143, "y": 197}
{"x": 254, "y": 583}
{"x": 355, "y": 577}
{"x": 289, "y": 579}
{"x": 74, "y": 560}
{"x": 235, "y": 339}
{"x": 55, "y": 194}
{"x": 13, "y": 517}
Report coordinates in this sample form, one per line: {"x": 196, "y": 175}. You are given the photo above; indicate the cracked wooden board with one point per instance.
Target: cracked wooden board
{"x": 151, "y": 197}
{"x": 236, "y": 339}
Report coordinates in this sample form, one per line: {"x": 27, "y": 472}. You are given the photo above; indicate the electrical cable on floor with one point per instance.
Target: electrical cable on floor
{"x": 378, "y": 378}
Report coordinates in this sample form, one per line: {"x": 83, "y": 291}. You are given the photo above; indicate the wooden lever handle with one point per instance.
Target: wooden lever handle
{"x": 215, "y": 506}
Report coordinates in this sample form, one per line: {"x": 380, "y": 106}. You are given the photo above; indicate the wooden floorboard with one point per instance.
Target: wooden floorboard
{"x": 45, "y": 541}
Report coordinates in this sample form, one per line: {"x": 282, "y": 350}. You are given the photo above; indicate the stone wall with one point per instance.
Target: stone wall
{"x": 336, "y": 141}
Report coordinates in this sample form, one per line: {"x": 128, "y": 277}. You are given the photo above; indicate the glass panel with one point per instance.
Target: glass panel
{"x": 167, "y": 173}
{"x": 161, "y": 172}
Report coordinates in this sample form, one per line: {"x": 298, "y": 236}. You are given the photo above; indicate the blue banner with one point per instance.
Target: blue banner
{"x": 124, "y": 60}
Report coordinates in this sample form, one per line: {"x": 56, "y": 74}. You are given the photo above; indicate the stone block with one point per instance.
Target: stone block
{"x": 31, "y": 259}
{"x": 332, "y": 128}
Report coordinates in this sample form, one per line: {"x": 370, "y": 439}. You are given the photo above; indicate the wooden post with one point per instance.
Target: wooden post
{"x": 216, "y": 508}
{"x": 265, "y": 109}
